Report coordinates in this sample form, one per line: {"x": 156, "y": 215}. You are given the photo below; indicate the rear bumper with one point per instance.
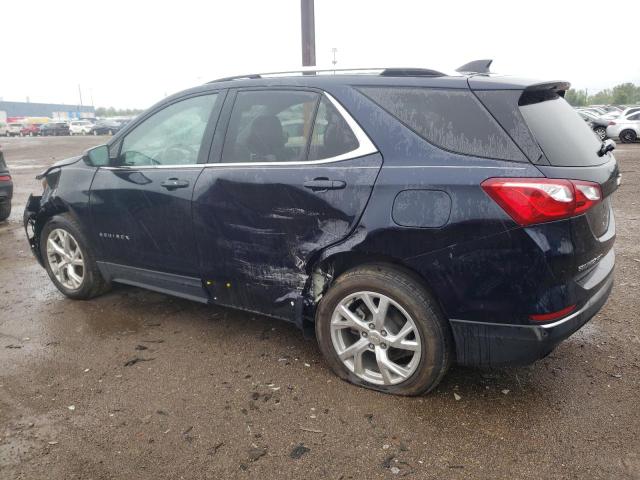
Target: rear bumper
{"x": 6, "y": 191}
{"x": 496, "y": 344}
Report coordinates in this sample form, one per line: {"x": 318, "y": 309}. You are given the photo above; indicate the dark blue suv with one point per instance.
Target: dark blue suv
{"x": 410, "y": 218}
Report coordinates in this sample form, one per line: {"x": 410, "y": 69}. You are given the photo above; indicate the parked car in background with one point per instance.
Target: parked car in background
{"x": 54, "y": 129}
{"x": 80, "y": 127}
{"x": 629, "y": 110}
{"x": 484, "y": 237}
{"x": 105, "y": 127}
{"x": 30, "y": 129}
{"x": 4, "y": 129}
{"x": 595, "y": 110}
{"x": 6, "y": 189}
{"x": 13, "y": 129}
{"x": 597, "y": 123}
{"x": 625, "y": 128}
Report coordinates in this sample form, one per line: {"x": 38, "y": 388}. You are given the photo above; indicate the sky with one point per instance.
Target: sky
{"x": 130, "y": 54}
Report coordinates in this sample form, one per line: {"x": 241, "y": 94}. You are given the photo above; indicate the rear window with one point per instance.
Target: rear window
{"x": 565, "y": 139}
{"x": 451, "y": 119}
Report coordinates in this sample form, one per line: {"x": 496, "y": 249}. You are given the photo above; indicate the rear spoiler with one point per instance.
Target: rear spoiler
{"x": 539, "y": 92}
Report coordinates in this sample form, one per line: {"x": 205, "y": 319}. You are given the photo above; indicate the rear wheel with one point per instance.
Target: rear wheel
{"x": 69, "y": 260}
{"x": 378, "y": 327}
{"x": 628, "y": 136}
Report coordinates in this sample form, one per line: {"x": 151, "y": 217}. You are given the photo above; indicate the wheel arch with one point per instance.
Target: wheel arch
{"x": 48, "y": 209}
{"x": 326, "y": 269}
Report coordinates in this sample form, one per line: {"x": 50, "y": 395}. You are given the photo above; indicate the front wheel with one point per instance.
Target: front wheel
{"x": 601, "y": 132}
{"x": 628, "y": 136}
{"x": 378, "y": 327}
{"x": 69, "y": 259}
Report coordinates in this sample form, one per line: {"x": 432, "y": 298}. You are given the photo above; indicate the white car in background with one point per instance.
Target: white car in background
{"x": 13, "y": 129}
{"x": 79, "y": 127}
{"x": 625, "y": 127}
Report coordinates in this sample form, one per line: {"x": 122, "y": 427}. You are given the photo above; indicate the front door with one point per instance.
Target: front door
{"x": 141, "y": 203}
{"x": 295, "y": 175}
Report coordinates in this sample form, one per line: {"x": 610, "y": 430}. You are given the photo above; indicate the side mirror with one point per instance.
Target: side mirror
{"x": 97, "y": 156}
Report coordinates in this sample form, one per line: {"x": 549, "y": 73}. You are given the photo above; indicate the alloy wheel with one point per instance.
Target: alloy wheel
{"x": 65, "y": 258}
{"x": 375, "y": 338}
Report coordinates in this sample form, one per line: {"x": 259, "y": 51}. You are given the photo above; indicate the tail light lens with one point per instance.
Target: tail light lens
{"x": 5, "y": 178}
{"x": 547, "y": 317}
{"x": 536, "y": 200}
{"x": 612, "y": 123}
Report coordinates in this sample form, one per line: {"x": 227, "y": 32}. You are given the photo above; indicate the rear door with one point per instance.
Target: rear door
{"x": 293, "y": 175}
{"x": 141, "y": 203}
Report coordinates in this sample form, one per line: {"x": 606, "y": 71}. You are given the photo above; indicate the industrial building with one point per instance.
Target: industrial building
{"x": 10, "y": 111}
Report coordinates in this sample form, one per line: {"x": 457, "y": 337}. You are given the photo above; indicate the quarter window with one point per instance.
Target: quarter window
{"x": 451, "y": 119}
{"x": 172, "y": 136}
{"x": 331, "y": 134}
{"x": 270, "y": 126}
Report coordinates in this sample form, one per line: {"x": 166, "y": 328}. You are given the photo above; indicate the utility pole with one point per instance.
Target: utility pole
{"x": 80, "y": 93}
{"x": 334, "y": 61}
{"x": 307, "y": 22}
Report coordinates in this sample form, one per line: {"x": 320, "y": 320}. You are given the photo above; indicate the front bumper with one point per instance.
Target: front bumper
{"x": 31, "y": 229}
{"x": 496, "y": 344}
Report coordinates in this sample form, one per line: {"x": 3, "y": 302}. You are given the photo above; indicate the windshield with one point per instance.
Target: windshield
{"x": 563, "y": 136}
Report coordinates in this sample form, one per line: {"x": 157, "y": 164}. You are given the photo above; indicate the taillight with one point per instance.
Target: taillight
{"x": 537, "y": 200}
{"x": 612, "y": 123}
{"x": 5, "y": 178}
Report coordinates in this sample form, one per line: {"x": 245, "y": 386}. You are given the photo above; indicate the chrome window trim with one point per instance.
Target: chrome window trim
{"x": 365, "y": 147}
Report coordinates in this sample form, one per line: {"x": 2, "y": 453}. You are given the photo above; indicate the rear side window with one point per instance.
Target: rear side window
{"x": 565, "y": 139}
{"x": 270, "y": 126}
{"x": 451, "y": 119}
{"x": 331, "y": 134}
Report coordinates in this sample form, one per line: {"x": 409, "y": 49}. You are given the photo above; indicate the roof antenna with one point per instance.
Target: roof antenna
{"x": 476, "y": 66}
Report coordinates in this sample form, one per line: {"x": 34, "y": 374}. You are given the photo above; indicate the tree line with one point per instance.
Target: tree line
{"x": 117, "y": 112}
{"x": 623, "y": 94}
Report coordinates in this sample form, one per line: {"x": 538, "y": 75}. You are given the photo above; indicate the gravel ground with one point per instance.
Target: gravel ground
{"x": 223, "y": 394}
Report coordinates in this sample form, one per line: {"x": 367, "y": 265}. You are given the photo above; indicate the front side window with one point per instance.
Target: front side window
{"x": 451, "y": 119}
{"x": 172, "y": 136}
{"x": 269, "y": 126}
{"x": 635, "y": 116}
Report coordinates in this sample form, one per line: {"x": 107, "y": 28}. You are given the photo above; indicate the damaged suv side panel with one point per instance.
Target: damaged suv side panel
{"x": 68, "y": 193}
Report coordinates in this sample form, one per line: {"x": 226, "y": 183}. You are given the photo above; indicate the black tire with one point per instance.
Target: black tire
{"x": 93, "y": 284}
{"x": 404, "y": 288}
{"x": 5, "y": 210}
{"x": 628, "y": 136}
{"x": 601, "y": 132}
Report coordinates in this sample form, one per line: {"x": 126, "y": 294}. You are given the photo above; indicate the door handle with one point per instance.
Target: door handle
{"x": 322, "y": 184}
{"x": 174, "y": 183}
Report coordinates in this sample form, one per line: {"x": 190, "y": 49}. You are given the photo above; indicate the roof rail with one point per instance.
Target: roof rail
{"x": 411, "y": 72}
{"x": 388, "y": 72}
